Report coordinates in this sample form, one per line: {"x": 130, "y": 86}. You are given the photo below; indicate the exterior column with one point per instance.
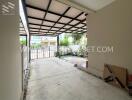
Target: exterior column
{"x": 58, "y": 45}
{"x": 29, "y": 46}
{"x": 87, "y": 43}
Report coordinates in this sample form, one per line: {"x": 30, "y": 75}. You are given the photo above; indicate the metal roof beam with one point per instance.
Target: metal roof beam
{"x": 71, "y": 21}
{"x": 40, "y": 9}
{"x": 60, "y": 17}
{"x": 53, "y": 27}
{"x": 54, "y": 21}
{"x": 45, "y": 13}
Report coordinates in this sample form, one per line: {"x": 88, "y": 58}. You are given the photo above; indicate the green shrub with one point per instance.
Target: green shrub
{"x": 23, "y": 42}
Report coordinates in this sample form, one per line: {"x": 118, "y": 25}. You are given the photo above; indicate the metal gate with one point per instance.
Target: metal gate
{"x": 44, "y": 52}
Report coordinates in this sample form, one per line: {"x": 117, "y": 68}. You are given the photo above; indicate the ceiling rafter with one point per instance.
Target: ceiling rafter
{"x": 44, "y": 25}
{"x": 54, "y": 25}
{"x": 46, "y": 12}
{"x": 50, "y": 12}
{"x": 55, "y": 30}
{"x": 70, "y": 21}
{"x": 76, "y": 24}
{"x": 50, "y": 26}
{"x": 60, "y": 17}
{"x": 79, "y": 31}
{"x": 60, "y": 31}
{"x": 52, "y": 21}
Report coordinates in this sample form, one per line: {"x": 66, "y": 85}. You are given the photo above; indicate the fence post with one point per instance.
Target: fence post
{"x": 29, "y": 46}
{"x": 58, "y": 46}
{"x": 49, "y": 51}
{"x": 43, "y": 52}
{"x": 37, "y": 53}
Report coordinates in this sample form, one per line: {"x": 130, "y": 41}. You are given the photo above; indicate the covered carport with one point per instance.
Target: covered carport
{"x": 52, "y": 18}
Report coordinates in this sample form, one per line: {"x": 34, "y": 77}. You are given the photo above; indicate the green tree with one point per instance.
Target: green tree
{"x": 36, "y": 45}
{"x": 76, "y": 38}
{"x": 64, "y": 42}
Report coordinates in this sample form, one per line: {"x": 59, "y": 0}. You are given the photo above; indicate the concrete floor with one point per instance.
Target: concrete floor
{"x": 55, "y": 79}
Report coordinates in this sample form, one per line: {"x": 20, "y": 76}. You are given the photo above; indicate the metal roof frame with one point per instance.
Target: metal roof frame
{"x": 39, "y": 28}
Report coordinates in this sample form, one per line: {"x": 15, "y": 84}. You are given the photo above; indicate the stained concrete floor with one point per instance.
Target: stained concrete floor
{"x": 56, "y": 79}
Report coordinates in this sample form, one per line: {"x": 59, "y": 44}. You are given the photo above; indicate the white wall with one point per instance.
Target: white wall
{"x": 10, "y": 58}
{"x": 111, "y": 26}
